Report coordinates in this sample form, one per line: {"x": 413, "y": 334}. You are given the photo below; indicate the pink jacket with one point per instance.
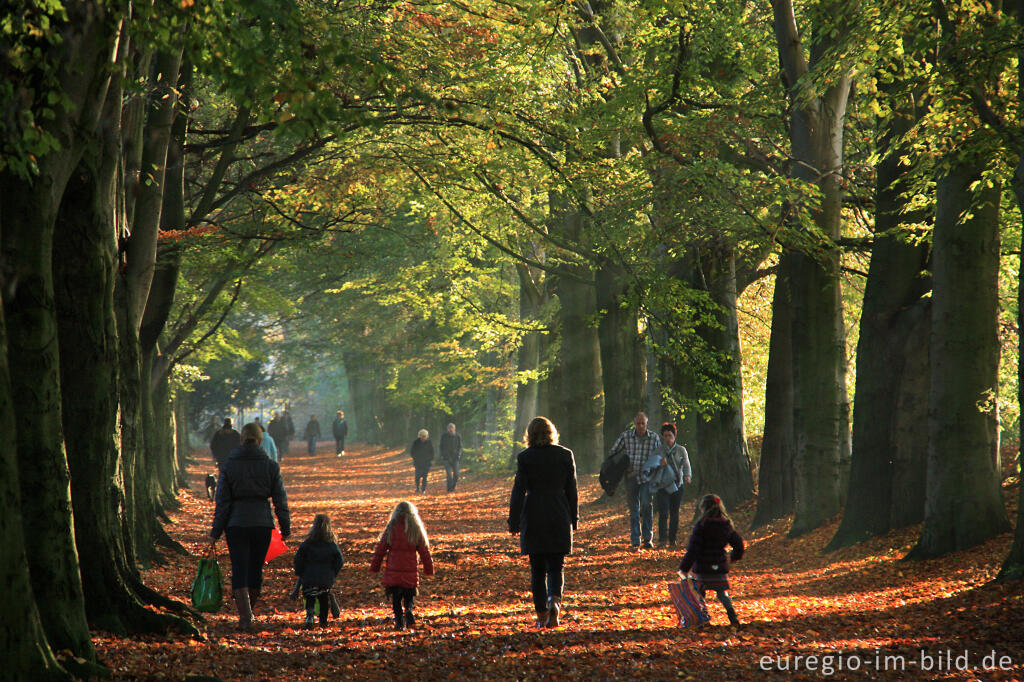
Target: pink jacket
{"x": 401, "y": 568}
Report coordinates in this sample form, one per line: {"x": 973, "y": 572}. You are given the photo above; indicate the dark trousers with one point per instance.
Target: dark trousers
{"x": 723, "y": 597}
{"x": 247, "y": 546}
{"x": 311, "y": 445}
{"x": 451, "y": 470}
{"x": 402, "y": 597}
{"x": 668, "y": 515}
{"x": 325, "y": 606}
{"x": 546, "y": 578}
{"x": 339, "y": 445}
{"x": 421, "y": 480}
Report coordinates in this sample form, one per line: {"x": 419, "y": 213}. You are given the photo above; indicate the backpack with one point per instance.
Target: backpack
{"x": 613, "y": 470}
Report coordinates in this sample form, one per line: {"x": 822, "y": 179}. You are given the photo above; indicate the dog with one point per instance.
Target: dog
{"x": 211, "y": 486}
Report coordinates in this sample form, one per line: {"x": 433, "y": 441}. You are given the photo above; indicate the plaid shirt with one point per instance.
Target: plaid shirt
{"x": 638, "y": 448}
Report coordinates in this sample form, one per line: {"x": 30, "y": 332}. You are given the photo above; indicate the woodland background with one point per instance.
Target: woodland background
{"x": 788, "y": 225}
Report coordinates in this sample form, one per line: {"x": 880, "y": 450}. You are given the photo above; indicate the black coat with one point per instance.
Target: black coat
{"x": 317, "y": 563}
{"x": 340, "y": 428}
{"x": 247, "y": 479}
{"x": 706, "y": 549}
{"x": 451, "y": 446}
{"x": 422, "y": 453}
{"x": 223, "y": 442}
{"x": 544, "y": 507}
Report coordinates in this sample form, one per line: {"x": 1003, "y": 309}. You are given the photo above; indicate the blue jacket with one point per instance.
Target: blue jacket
{"x": 247, "y": 479}
{"x": 269, "y": 447}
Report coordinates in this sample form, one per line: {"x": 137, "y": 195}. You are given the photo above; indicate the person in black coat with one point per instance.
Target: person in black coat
{"x": 422, "y": 453}
{"x": 223, "y": 442}
{"x": 340, "y": 430}
{"x": 242, "y": 513}
{"x": 544, "y": 511}
{"x": 451, "y": 453}
{"x": 705, "y": 552}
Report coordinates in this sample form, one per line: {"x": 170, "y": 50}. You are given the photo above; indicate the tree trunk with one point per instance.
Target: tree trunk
{"x": 890, "y": 432}
{"x": 580, "y": 359}
{"x": 531, "y": 301}
{"x": 623, "y": 354}
{"x": 27, "y": 654}
{"x": 963, "y": 505}
{"x": 721, "y": 450}
{"x": 778, "y": 448}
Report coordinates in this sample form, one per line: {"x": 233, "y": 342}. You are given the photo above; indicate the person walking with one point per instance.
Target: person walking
{"x": 404, "y": 538}
{"x": 312, "y": 434}
{"x": 639, "y": 444}
{"x": 705, "y": 553}
{"x": 242, "y": 513}
{"x": 277, "y": 430}
{"x": 422, "y": 453}
{"x": 669, "y": 470}
{"x": 340, "y": 429}
{"x": 544, "y": 511}
{"x": 268, "y": 444}
{"x": 223, "y": 442}
{"x": 317, "y": 563}
{"x": 451, "y": 453}
{"x": 289, "y": 431}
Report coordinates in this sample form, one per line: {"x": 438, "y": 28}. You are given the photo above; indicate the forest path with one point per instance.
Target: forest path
{"x": 856, "y": 607}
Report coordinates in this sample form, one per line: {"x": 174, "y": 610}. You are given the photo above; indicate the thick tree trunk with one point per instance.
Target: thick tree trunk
{"x": 890, "y": 432}
{"x": 1013, "y": 566}
{"x": 964, "y": 504}
{"x": 623, "y": 354}
{"x": 27, "y": 654}
{"x": 580, "y": 359}
{"x": 775, "y": 498}
{"x": 721, "y": 446}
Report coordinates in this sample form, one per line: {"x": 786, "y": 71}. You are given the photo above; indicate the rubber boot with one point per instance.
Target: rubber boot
{"x": 244, "y": 608}
{"x": 554, "y": 608}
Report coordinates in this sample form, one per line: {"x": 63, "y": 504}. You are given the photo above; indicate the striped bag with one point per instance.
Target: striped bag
{"x": 690, "y": 606}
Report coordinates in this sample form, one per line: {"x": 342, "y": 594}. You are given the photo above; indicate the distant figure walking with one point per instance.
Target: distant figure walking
{"x": 404, "y": 538}
{"x": 667, "y": 471}
{"x": 451, "y": 453}
{"x": 312, "y": 435}
{"x": 242, "y": 513}
{"x": 705, "y": 552}
{"x": 279, "y": 432}
{"x": 340, "y": 429}
{"x": 223, "y": 442}
{"x": 289, "y": 431}
{"x": 422, "y": 453}
{"x": 638, "y": 443}
{"x": 317, "y": 563}
{"x": 544, "y": 510}
{"x": 268, "y": 444}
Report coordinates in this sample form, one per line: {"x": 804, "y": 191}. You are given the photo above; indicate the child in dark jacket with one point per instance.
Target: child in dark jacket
{"x": 403, "y": 538}
{"x": 705, "y": 552}
{"x": 317, "y": 563}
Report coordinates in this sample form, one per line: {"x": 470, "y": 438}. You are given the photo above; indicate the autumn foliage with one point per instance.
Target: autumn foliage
{"x": 861, "y": 605}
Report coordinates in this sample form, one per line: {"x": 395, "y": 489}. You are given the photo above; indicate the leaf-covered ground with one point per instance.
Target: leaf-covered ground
{"x": 859, "y": 613}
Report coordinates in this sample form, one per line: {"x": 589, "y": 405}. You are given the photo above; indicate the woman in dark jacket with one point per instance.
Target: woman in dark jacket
{"x": 422, "y": 453}
{"x": 543, "y": 510}
{"x": 247, "y": 479}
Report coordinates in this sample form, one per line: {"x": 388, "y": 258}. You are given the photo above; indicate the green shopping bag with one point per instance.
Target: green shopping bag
{"x": 206, "y": 588}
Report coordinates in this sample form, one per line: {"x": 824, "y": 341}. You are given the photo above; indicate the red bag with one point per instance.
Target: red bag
{"x": 690, "y": 606}
{"x": 277, "y": 546}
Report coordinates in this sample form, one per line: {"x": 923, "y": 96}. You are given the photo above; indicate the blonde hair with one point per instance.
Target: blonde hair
{"x": 415, "y": 533}
{"x": 321, "y": 529}
{"x": 541, "y": 432}
{"x": 423, "y": 433}
{"x": 252, "y": 433}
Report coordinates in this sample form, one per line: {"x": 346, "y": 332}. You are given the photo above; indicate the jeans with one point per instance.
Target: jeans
{"x": 451, "y": 469}
{"x": 311, "y": 445}
{"x": 546, "y": 578}
{"x": 339, "y": 445}
{"x": 641, "y": 512}
{"x": 668, "y": 514}
{"x": 247, "y": 546}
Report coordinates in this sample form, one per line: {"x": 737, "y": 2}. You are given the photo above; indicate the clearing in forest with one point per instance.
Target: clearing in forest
{"x": 859, "y": 613}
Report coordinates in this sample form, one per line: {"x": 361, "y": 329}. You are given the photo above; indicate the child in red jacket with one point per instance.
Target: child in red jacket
{"x": 403, "y": 538}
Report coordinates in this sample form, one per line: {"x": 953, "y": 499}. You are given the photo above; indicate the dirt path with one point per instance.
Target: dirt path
{"x": 857, "y": 607}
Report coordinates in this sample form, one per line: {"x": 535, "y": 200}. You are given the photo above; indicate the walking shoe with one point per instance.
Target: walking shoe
{"x": 634, "y": 548}
{"x": 553, "y": 610}
{"x": 399, "y": 623}
{"x": 410, "y": 619}
{"x": 542, "y": 618}
{"x": 308, "y": 625}
{"x": 647, "y": 545}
